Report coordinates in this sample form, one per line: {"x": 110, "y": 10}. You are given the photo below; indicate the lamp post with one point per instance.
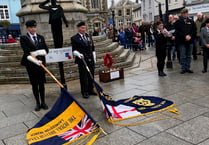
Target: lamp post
{"x": 113, "y": 23}
{"x": 169, "y": 63}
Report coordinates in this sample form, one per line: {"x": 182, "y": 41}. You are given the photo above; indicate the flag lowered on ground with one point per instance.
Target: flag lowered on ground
{"x": 131, "y": 107}
{"x": 66, "y": 122}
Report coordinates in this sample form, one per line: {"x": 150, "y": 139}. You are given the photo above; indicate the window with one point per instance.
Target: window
{"x": 120, "y": 22}
{"x": 150, "y": 4}
{"x": 128, "y": 21}
{"x": 170, "y": 1}
{"x": 4, "y": 12}
{"x": 176, "y": 1}
{"x": 119, "y": 13}
{"x": 95, "y": 4}
{"x": 128, "y": 12}
{"x": 150, "y": 16}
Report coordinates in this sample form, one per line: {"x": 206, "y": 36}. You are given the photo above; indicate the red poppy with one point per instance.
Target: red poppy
{"x": 108, "y": 61}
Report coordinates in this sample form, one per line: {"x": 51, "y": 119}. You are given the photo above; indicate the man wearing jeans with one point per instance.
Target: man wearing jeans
{"x": 185, "y": 32}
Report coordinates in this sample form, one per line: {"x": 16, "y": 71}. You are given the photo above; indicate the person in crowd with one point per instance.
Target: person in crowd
{"x": 185, "y": 31}
{"x": 121, "y": 37}
{"x": 102, "y": 33}
{"x": 171, "y": 39}
{"x": 10, "y": 39}
{"x": 111, "y": 32}
{"x": 160, "y": 36}
{"x": 176, "y": 17}
{"x": 128, "y": 37}
{"x": 116, "y": 39}
{"x": 96, "y": 31}
{"x": 149, "y": 34}
{"x": 142, "y": 30}
{"x": 204, "y": 37}
{"x": 33, "y": 43}
{"x": 134, "y": 29}
{"x": 83, "y": 48}
{"x": 198, "y": 22}
{"x": 137, "y": 42}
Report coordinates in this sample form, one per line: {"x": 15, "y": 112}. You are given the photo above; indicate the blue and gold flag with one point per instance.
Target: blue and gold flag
{"x": 132, "y": 107}
{"x": 66, "y": 122}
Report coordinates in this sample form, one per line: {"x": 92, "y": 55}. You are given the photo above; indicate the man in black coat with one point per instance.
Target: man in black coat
{"x": 83, "y": 47}
{"x": 33, "y": 43}
{"x": 185, "y": 32}
{"x": 129, "y": 37}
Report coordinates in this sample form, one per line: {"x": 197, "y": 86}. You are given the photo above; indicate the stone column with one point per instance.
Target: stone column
{"x": 74, "y": 13}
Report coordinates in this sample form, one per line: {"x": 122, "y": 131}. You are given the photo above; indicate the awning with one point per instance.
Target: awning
{"x": 14, "y": 27}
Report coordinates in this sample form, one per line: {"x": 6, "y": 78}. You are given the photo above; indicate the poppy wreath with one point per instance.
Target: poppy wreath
{"x": 108, "y": 61}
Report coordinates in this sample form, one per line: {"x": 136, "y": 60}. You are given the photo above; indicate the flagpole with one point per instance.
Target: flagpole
{"x": 48, "y": 72}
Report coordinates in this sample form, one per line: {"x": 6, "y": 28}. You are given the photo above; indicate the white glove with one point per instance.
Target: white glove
{"x": 41, "y": 52}
{"x": 94, "y": 56}
{"x": 33, "y": 60}
{"x": 78, "y": 54}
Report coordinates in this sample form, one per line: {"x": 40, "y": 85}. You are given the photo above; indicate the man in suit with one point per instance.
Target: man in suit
{"x": 83, "y": 47}
{"x": 33, "y": 43}
{"x": 160, "y": 36}
{"x": 204, "y": 36}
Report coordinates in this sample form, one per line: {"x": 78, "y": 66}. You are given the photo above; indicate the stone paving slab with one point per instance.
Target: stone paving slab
{"x": 189, "y": 111}
{"x": 194, "y": 131}
{"x": 164, "y": 139}
{"x": 120, "y": 137}
{"x": 12, "y": 130}
{"x": 205, "y": 142}
{"x": 16, "y": 119}
{"x": 16, "y": 140}
{"x": 154, "y": 128}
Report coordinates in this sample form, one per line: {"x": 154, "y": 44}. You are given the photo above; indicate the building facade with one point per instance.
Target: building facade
{"x": 124, "y": 12}
{"x": 97, "y": 12}
{"x": 150, "y": 8}
{"x": 196, "y": 6}
{"x": 137, "y": 18}
{"x": 8, "y": 10}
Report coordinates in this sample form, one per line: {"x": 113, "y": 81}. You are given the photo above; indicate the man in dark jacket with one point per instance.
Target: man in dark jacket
{"x": 83, "y": 47}
{"x": 33, "y": 43}
{"x": 129, "y": 36}
{"x": 185, "y": 31}
{"x": 142, "y": 30}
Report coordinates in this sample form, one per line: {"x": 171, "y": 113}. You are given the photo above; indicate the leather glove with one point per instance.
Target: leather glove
{"x": 94, "y": 56}
{"x": 41, "y": 52}
{"x": 33, "y": 60}
{"x": 78, "y": 54}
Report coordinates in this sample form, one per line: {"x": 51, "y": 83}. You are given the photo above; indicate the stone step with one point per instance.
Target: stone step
{"x": 16, "y": 72}
{"x": 69, "y": 76}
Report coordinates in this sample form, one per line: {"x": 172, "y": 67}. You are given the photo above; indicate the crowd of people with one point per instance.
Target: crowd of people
{"x": 181, "y": 36}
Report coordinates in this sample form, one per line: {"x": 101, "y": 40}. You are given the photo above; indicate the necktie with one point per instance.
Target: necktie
{"x": 35, "y": 40}
{"x": 84, "y": 39}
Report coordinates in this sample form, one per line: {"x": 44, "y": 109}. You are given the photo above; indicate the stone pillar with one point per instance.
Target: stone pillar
{"x": 73, "y": 10}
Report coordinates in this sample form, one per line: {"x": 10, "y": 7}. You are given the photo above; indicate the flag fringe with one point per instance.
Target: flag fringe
{"x": 156, "y": 118}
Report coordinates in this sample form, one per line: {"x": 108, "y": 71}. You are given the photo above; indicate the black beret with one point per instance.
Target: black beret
{"x": 207, "y": 21}
{"x": 81, "y": 24}
{"x": 30, "y": 23}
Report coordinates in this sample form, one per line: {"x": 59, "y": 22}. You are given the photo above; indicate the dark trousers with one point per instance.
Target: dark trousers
{"x": 205, "y": 57}
{"x": 85, "y": 79}
{"x": 56, "y": 28}
{"x": 39, "y": 92}
{"x": 161, "y": 55}
{"x": 150, "y": 40}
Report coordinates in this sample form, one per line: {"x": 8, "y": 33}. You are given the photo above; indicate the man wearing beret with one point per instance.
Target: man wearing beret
{"x": 204, "y": 36}
{"x": 33, "y": 43}
{"x": 83, "y": 47}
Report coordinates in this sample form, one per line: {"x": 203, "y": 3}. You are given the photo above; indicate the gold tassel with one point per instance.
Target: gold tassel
{"x": 174, "y": 110}
{"x": 93, "y": 138}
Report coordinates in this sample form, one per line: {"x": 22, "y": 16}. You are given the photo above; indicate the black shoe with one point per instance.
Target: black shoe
{"x": 85, "y": 95}
{"x": 189, "y": 71}
{"x": 44, "y": 106}
{"x": 92, "y": 92}
{"x": 38, "y": 107}
{"x": 183, "y": 72}
{"x": 204, "y": 71}
{"x": 162, "y": 74}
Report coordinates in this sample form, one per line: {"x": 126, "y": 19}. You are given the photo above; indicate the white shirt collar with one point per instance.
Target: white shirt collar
{"x": 31, "y": 36}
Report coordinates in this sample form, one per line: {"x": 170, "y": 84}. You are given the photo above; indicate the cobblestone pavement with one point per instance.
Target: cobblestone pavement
{"x": 190, "y": 92}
